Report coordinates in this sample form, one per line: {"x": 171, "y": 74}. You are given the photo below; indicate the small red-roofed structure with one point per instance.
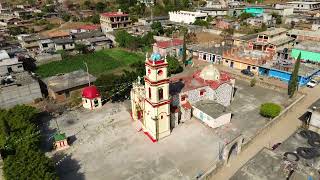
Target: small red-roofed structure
{"x": 91, "y": 98}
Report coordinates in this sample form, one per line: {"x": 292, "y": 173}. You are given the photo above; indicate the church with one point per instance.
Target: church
{"x": 163, "y": 103}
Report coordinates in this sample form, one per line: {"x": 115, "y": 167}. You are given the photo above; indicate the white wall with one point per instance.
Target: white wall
{"x": 211, "y": 122}
{"x": 187, "y": 17}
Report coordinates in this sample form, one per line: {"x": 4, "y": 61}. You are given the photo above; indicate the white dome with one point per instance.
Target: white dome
{"x": 210, "y": 73}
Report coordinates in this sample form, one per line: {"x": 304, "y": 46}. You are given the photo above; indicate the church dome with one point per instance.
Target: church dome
{"x": 155, "y": 56}
{"x": 210, "y": 73}
{"x": 90, "y": 92}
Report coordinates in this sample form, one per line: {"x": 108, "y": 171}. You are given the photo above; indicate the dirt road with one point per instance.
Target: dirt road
{"x": 278, "y": 133}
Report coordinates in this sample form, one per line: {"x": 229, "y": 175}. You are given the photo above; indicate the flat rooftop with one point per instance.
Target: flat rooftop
{"x": 271, "y": 165}
{"x": 20, "y": 79}
{"x": 212, "y": 48}
{"x": 273, "y": 31}
{"x": 211, "y": 108}
{"x": 69, "y": 80}
{"x": 304, "y": 32}
{"x": 308, "y": 46}
{"x": 305, "y": 69}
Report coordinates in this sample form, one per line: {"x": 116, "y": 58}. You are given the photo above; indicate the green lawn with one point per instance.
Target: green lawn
{"x": 98, "y": 63}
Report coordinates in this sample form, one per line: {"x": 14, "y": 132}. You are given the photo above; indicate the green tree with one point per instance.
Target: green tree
{"x": 95, "y": 19}
{"x": 174, "y": 66}
{"x": 66, "y": 17}
{"x": 15, "y": 30}
{"x": 200, "y": 22}
{"x": 244, "y": 16}
{"x": 184, "y": 47}
{"x": 81, "y": 48}
{"x": 157, "y": 28}
{"x": 100, "y": 7}
{"x": 294, "y": 80}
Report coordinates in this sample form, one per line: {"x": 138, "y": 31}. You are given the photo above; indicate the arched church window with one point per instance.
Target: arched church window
{"x": 160, "y": 72}
{"x": 149, "y": 93}
{"x": 149, "y": 71}
{"x": 160, "y": 91}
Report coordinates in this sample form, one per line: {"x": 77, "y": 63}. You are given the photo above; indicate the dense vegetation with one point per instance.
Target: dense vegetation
{"x": 19, "y": 144}
{"x": 126, "y": 40}
{"x": 99, "y": 62}
{"x": 270, "y": 110}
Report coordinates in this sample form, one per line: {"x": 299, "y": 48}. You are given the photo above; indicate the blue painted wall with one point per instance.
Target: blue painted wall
{"x": 283, "y": 75}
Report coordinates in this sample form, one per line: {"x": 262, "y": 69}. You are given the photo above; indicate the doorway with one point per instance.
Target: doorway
{"x": 96, "y": 103}
{"x": 233, "y": 151}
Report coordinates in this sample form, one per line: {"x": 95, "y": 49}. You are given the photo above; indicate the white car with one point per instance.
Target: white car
{"x": 312, "y": 83}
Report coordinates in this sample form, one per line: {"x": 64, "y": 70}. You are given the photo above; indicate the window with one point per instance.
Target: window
{"x": 149, "y": 93}
{"x": 183, "y": 98}
{"x": 161, "y": 117}
{"x": 253, "y": 67}
{"x": 202, "y": 92}
{"x": 227, "y": 61}
{"x": 160, "y": 72}
{"x": 45, "y": 45}
{"x": 160, "y": 93}
{"x": 149, "y": 71}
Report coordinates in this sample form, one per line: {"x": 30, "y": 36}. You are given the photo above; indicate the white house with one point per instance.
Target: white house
{"x": 187, "y": 17}
{"x": 300, "y": 6}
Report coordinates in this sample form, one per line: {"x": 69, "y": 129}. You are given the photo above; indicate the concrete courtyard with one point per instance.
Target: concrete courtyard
{"x": 108, "y": 146}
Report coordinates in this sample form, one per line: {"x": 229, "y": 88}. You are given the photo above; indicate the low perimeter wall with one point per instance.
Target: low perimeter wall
{"x": 216, "y": 167}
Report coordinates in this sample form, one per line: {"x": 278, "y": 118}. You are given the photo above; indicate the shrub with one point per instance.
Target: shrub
{"x": 253, "y": 82}
{"x": 270, "y": 110}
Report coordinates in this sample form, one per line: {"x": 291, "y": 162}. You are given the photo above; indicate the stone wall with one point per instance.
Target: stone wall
{"x": 44, "y": 59}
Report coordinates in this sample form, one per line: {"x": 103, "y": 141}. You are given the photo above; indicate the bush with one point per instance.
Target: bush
{"x": 270, "y": 110}
{"x": 253, "y": 82}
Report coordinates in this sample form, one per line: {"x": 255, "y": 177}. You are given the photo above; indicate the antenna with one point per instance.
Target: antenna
{"x": 87, "y": 72}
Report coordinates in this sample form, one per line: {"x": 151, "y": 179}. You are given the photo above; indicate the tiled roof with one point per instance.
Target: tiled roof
{"x": 167, "y": 44}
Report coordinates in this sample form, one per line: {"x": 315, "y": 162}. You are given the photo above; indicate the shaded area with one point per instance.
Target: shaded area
{"x": 67, "y": 167}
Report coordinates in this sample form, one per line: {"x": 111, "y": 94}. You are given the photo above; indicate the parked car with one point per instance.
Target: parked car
{"x": 247, "y": 72}
{"x": 312, "y": 83}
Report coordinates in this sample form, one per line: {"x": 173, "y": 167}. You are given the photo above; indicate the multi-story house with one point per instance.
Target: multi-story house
{"x": 111, "y": 21}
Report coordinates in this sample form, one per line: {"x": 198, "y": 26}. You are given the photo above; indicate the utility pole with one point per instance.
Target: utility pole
{"x": 87, "y": 73}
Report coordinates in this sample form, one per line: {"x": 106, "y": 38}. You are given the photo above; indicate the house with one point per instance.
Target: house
{"x": 243, "y": 41}
{"x": 212, "y": 53}
{"x": 57, "y": 34}
{"x": 80, "y": 37}
{"x": 9, "y": 65}
{"x": 304, "y": 35}
{"x": 173, "y": 101}
{"x": 172, "y": 47}
{"x": 211, "y": 113}
{"x": 111, "y": 21}
{"x": 246, "y": 59}
{"x": 300, "y": 6}
{"x": 60, "y": 87}
{"x": 222, "y": 23}
{"x": 18, "y": 88}
{"x": 309, "y": 51}
{"x": 213, "y": 11}
{"x": 271, "y": 39}
{"x": 46, "y": 45}
{"x": 63, "y": 44}
{"x": 30, "y": 42}
{"x": 99, "y": 43}
{"x": 86, "y": 28}
{"x": 149, "y": 20}
{"x": 266, "y": 19}
{"x": 282, "y": 67}
{"x": 187, "y": 17}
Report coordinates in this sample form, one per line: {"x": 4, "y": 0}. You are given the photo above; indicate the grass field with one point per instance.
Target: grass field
{"x": 100, "y": 62}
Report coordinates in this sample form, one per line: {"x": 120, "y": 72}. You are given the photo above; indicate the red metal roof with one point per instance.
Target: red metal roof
{"x": 90, "y": 92}
{"x": 167, "y": 44}
{"x": 114, "y": 14}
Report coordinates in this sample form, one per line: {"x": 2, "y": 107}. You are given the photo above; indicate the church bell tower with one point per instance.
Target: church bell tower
{"x": 157, "y": 102}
